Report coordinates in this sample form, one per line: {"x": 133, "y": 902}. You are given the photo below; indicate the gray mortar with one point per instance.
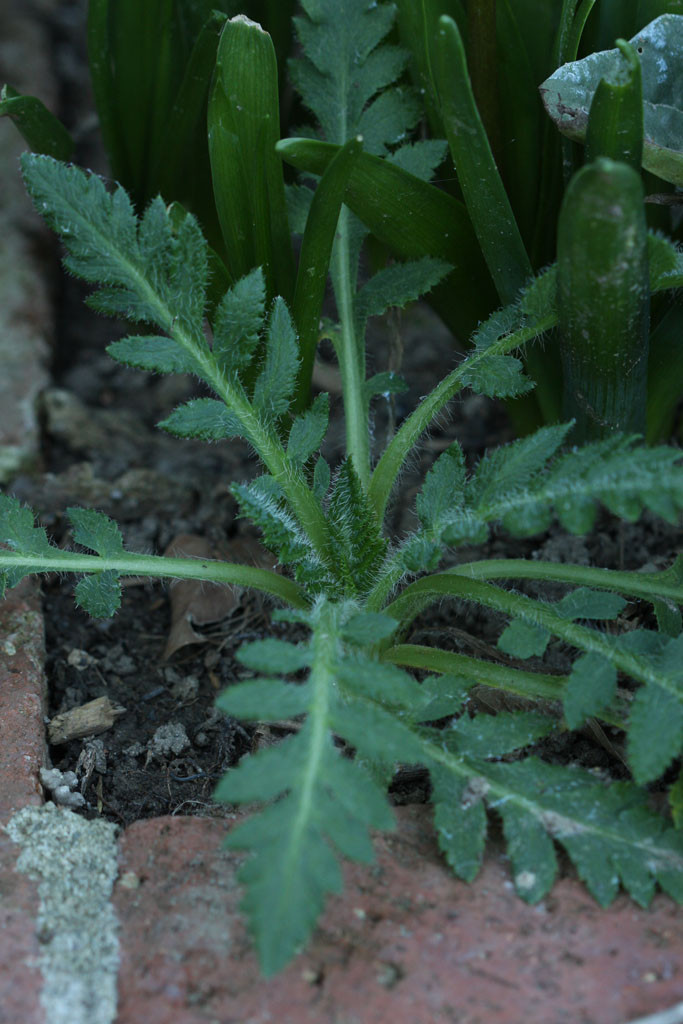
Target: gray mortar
{"x": 74, "y": 861}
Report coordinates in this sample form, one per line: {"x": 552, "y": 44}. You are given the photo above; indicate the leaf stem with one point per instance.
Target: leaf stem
{"x": 351, "y": 353}
{"x": 131, "y": 564}
{"x": 398, "y": 449}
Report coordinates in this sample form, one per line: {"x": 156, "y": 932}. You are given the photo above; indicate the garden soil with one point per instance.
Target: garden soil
{"x": 406, "y": 941}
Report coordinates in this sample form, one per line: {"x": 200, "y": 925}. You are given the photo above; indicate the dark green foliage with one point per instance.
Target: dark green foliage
{"x": 356, "y": 535}
{"x": 342, "y": 578}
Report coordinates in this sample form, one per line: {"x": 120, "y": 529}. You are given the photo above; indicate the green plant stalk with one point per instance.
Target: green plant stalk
{"x": 351, "y": 353}
{"x": 397, "y": 451}
{"x": 528, "y": 610}
{"x": 645, "y": 586}
{"x": 104, "y": 89}
{"x": 314, "y": 259}
{"x": 604, "y": 300}
{"x": 615, "y": 120}
{"x": 301, "y": 499}
{"x": 413, "y": 219}
{"x": 522, "y": 683}
{"x": 535, "y": 686}
{"x": 162, "y": 567}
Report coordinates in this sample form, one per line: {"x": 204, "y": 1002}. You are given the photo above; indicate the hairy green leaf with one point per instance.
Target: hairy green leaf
{"x": 590, "y": 689}
{"x": 274, "y": 655}
{"x": 239, "y": 321}
{"x": 274, "y": 386}
{"x": 524, "y": 640}
{"x": 95, "y": 530}
{"x": 205, "y": 418}
{"x": 99, "y": 594}
{"x": 308, "y": 430}
{"x": 398, "y": 284}
{"x": 357, "y": 537}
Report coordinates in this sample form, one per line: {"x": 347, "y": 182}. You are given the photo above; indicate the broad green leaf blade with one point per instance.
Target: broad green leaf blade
{"x": 485, "y": 197}
{"x": 243, "y": 126}
{"x": 531, "y": 851}
{"x": 43, "y": 132}
{"x": 604, "y": 300}
{"x": 417, "y": 23}
{"x": 99, "y": 594}
{"x": 154, "y": 272}
{"x": 584, "y": 603}
{"x": 420, "y": 158}
{"x": 385, "y": 383}
{"x": 414, "y": 219}
{"x": 338, "y": 90}
{"x": 19, "y": 532}
{"x": 655, "y": 734}
{"x": 567, "y": 94}
{"x": 443, "y": 491}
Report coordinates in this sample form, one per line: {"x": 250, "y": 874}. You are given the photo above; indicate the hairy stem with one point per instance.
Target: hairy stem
{"x": 162, "y": 567}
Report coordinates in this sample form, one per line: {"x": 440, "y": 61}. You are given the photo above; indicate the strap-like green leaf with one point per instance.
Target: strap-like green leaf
{"x": 43, "y": 132}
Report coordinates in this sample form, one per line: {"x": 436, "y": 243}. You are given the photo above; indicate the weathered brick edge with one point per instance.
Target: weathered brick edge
{"x": 22, "y": 753}
{"x": 26, "y": 331}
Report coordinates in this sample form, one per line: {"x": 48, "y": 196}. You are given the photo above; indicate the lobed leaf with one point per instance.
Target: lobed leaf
{"x": 274, "y": 386}
{"x": 95, "y": 530}
{"x": 99, "y": 594}
{"x": 238, "y": 322}
{"x": 308, "y": 430}
{"x": 608, "y": 831}
{"x": 591, "y": 687}
{"x": 398, "y": 284}
{"x": 205, "y": 418}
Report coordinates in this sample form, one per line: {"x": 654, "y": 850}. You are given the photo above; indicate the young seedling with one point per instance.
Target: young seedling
{"x": 354, "y": 586}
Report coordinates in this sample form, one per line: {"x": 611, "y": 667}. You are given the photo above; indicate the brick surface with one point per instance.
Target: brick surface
{"x": 22, "y": 753}
{"x": 26, "y": 250}
{"x": 406, "y": 943}
{"x": 25, "y": 331}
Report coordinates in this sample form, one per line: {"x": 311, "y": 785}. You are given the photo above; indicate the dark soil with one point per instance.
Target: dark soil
{"x": 165, "y": 754}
